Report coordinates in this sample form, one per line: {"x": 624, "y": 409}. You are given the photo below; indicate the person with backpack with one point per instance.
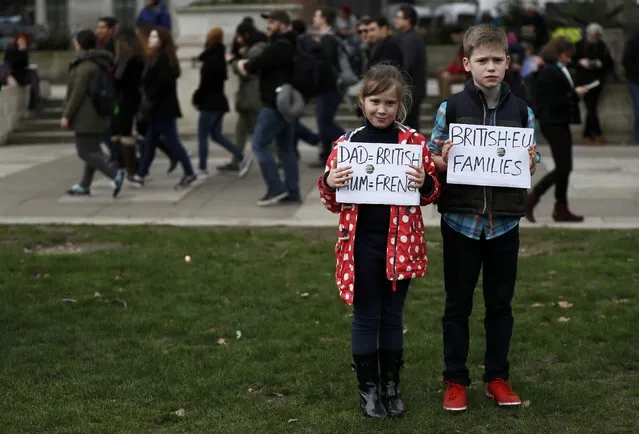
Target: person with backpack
{"x": 480, "y": 225}
{"x": 275, "y": 67}
{"x": 86, "y": 111}
{"x": 329, "y": 94}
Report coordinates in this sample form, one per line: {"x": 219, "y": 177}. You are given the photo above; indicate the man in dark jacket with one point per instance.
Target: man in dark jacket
{"x": 329, "y": 95}
{"x": 385, "y": 47}
{"x": 630, "y": 62}
{"x": 274, "y": 66}
{"x": 81, "y": 116}
{"x": 414, "y": 53}
{"x": 105, "y": 31}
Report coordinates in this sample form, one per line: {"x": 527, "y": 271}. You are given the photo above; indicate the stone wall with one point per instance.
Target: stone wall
{"x": 195, "y": 21}
{"x": 13, "y": 106}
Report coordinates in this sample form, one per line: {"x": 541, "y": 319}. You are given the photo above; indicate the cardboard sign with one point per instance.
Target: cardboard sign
{"x": 379, "y": 173}
{"x": 489, "y": 156}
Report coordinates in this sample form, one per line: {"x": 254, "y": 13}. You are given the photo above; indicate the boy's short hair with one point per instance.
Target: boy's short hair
{"x": 482, "y": 35}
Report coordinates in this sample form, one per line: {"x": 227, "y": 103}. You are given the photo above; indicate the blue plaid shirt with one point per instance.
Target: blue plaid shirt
{"x": 471, "y": 225}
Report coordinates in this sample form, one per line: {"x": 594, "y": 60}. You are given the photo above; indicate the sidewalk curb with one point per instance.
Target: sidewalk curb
{"x": 593, "y": 223}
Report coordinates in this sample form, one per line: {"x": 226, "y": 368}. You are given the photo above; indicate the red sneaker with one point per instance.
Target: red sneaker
{"x": 455, "y": 397}
{"x": 500, "y": 391}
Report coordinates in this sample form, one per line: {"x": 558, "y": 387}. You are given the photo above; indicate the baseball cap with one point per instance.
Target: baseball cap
{"x": 281, "y": 16}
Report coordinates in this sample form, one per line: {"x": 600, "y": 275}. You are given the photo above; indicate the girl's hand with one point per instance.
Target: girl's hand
{"x": 447, "y": 145}
{"x": 581, "y": 90}
{"x": 338, "y": 177}
{"x": 416, "y": 175}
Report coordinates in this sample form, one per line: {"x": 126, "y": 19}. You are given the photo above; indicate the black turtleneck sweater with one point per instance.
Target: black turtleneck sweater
{"x": 375, "y": 219}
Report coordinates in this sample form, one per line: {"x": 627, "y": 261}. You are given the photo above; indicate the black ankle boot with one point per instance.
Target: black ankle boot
{"x": 366, "y": 366}
{"x": 390, "y": 363}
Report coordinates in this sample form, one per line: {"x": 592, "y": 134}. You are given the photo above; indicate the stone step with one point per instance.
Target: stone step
{"x": 50, "y": 113}
{"x": 40, "y": 137}
{"x": 39, "y": 125}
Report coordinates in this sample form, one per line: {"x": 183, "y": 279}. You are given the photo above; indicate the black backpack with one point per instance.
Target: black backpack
{"x": 103, "y": 93}
{"x": 309, "y": 62}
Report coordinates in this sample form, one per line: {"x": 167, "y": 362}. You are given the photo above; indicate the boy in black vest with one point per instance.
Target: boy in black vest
{"x": 480, "y": 225}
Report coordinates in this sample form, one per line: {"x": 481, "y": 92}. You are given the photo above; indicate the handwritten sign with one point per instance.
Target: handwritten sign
{"x": 379, "y": 173}
{"x": 489, "y": 156}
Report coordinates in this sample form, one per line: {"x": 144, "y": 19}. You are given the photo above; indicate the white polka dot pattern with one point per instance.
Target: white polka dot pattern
{"x": 406, "y": 249}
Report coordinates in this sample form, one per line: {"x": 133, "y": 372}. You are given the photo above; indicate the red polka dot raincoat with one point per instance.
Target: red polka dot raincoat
{"x": 406, "y": 247}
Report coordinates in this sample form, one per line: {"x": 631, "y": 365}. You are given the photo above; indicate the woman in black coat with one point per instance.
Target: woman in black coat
{"x": 129, "y": 65}
{"x": 17, "y": 58}
{"x": 556, "y": 105}
{"x": 210, "y": 100}
{"x": 161, "y": 106}
{"x": 593, "y": 62}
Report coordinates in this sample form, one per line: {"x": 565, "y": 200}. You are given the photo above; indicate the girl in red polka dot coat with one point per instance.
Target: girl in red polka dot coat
{"x": 374, "y": 268}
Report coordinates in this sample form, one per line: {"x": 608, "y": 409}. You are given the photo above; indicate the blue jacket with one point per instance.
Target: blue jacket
{"x": 155, "y": 16}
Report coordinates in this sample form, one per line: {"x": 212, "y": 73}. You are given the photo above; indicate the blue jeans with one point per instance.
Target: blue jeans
{"x": 326, "y": 106}
{"x": 272, "y": 126}
{"x": 634, "y": 93}
{"x": 168, "y": 129}
{"x": 210, "y": 123}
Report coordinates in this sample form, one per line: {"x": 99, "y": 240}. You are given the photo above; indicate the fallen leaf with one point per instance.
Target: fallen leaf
{"x": 405, "y": 330}
{"x": 630, "y": 260}
{"x": 187, "y": 259}
{"x": 96, "y": 294}
{"x": 221, "y": 341}
{"x": 526, "y": 403}
{"x": 238, "y": 334}
{"x": 279, "y": 395}
{"x": 564, "y": 304}
{"x": 180, "y": 412}
{"x": 120, "y": 302}
{"x": 69, "y": 300}
{"x": 563, "y": 319}
{"x": 537, "y": 305}
{"x": 116, "y": 278}
{"x": 292, "y": 420}
{"x": 304, "y": 294}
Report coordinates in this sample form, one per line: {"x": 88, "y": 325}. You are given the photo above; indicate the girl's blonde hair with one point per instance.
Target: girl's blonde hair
{"x": 382, "y": 77}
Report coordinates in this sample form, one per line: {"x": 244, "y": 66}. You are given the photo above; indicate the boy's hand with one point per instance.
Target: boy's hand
{"x": 338, "y": 177}
{"x": 532, "y": 153}
{"x": 581, "y": 90}
{"x": 447, "y": 145}
{"x": 416, "y": 175}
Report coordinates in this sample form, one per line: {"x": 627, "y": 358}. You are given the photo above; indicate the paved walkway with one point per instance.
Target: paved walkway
{"x": 604, "y": 187}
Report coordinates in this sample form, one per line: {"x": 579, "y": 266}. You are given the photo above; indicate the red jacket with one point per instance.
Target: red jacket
{"x": 406, "y": 247}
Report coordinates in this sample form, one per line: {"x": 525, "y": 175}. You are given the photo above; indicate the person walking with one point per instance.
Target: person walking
{"x": 556, "y": 101}
{"x": 81, "y": 115}
{"x": 210, "y": 100}
{"x": 127, "y": 74}
{"x": 275, "y": 67}
{"x": 160, "y": 105}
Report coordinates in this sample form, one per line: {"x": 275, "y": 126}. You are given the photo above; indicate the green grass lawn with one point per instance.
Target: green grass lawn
{"x": 250, "y": 335}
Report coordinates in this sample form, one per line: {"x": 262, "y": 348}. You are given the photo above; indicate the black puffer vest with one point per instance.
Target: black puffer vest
{"x": 470, "y": 107}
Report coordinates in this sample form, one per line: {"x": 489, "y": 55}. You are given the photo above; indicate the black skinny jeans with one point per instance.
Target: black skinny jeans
{"x": 378, "y": 311}
{"x": 463, "y": 260}
{"x": 560, "y": 139}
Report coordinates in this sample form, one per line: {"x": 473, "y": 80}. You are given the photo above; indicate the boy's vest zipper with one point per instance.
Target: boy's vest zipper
{"x": 484, "y": 104}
